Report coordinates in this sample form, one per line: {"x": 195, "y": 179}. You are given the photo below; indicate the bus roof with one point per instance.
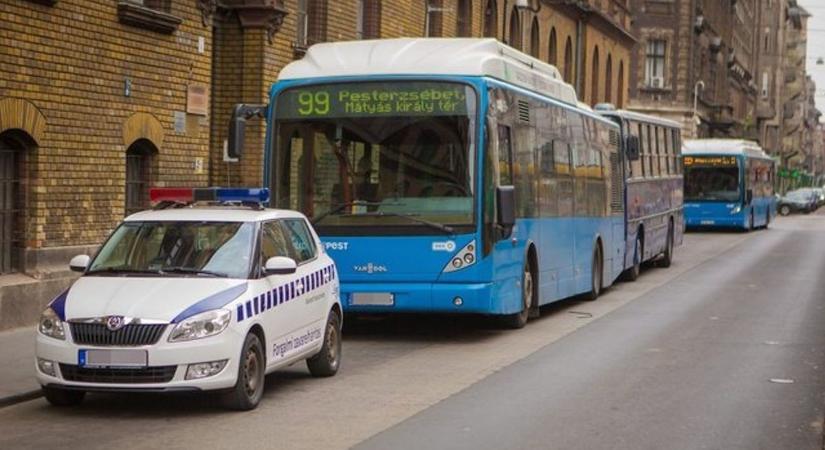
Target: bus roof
{"x": 723, "y": 147}
{"x": 646, "y": 118}
{"x": 431, "y": 56}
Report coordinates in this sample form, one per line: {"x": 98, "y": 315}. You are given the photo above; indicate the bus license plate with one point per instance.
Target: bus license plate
{"x": 372, "y": 299}
{"x": 708, "y": 222}
{"x": 112, "y": 358}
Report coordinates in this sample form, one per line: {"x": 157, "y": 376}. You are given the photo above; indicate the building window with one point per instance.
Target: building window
{"x": 311, "y": 26}
{"x": 369, "y": 19}
{"x": 568, "y": 61}
{"x": 435, "y": 18}
{"x": 464, "y": 18}
{"x": 594, "y": 77}
{"x": 148, "y": 14}
{"x": 553, "y": 55}
{"x": 608, "y": 80}
{"x": 534, "y": 38}
{"x": 139, "y": 173}
{"x": 490, "y": 18}
{"x": 620, "y": 86}
{"x": 11, "y": 214}
{"x": 515, "y": 30}
{"x": 655, "y": 67}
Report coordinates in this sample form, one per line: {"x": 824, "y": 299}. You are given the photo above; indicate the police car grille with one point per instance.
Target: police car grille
{"x": 129, "y": 335}
{"x": 160, "y": 374}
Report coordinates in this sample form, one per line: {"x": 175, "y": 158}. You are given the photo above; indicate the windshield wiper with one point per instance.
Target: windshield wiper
{"x": 117, "y": 270}
{"x": 438, "y": 226}
{"x": 343, "y": 206}
{"x": 189, "y": 270}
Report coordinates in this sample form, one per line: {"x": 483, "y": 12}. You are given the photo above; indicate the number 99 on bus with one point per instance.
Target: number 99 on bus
{"x": 313, "y": 104}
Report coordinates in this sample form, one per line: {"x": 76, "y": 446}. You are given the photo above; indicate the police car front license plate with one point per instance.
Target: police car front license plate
{"x": 372, "y": 299}
{"x": 112, "y": 358}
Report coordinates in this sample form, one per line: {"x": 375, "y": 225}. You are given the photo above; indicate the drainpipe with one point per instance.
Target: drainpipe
{"x": 579, "y": 56}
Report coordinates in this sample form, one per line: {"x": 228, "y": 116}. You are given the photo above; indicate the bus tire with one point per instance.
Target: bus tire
{"x": 328, "y": 360}
{"x": 768, "y": 219}
{"x": 249, "y": 388}
{"x": 632, "y": 274}
{"x": 528, "y": 287}
{"x": 667, "y": 255}
{"x": 596, "y": 275}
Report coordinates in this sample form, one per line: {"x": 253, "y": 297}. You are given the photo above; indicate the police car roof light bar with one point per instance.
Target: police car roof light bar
{"x": 165, "y": 196}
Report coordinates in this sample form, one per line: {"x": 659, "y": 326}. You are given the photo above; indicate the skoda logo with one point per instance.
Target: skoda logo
{"x": 115, "y": 323}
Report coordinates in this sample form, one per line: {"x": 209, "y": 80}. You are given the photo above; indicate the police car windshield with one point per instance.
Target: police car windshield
{"x": 167, "y": 248}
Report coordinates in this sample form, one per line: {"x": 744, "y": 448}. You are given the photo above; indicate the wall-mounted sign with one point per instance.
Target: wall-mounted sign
{"x": 197, "y": 99}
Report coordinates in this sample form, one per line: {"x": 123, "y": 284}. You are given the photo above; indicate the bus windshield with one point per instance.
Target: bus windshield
{"x": 712, "y": 180}
{"x": 387, "y": 154}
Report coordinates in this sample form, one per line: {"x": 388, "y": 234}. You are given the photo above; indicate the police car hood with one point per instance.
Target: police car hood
{"x": 158, "y": 298}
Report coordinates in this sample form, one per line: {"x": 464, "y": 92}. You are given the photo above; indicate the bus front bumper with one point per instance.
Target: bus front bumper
{"x": 457, "y": 298}
{"x": 731, "y": 221}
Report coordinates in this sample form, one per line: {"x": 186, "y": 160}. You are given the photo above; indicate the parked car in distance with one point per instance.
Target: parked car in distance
{"x": 801, "y": 200}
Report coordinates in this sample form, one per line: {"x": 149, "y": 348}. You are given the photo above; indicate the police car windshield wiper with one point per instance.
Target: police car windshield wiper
{"x": 438, "y": 226}
{"x": 120, "y": 270}
{"x": 190, "y": 270}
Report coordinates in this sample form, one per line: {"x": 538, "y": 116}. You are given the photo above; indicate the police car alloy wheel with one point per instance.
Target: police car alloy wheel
{"x": 327, "y": 361}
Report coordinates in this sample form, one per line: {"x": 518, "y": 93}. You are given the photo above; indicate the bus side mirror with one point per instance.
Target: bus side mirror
{"x": 632, "y": 148}
{"x": 237, "y": 126}
{"x": 506, "y": 206}
{"x": 748, "y": 196}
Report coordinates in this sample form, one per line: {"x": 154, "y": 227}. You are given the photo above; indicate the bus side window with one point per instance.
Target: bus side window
{"x": 643, "y": 151}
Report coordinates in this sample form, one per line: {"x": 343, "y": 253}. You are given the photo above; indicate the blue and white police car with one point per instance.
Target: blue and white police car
{"x": 207, "y": 292}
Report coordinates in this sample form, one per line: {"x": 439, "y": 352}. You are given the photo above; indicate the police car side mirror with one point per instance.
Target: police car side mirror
{"x": 79, "y": 263}
{"x": 280, "y": 265}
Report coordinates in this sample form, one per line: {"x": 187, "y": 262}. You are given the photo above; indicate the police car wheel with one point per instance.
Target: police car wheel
{"x": 327, "y": 361}
{"x": 63, "y": 397}
{"x": 249, "y": 388}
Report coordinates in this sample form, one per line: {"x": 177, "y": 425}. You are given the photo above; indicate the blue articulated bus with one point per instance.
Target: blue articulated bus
{"x": 446, "y": 175}
{"x": 654, "y": 193}
{"x": 728, "y": 183}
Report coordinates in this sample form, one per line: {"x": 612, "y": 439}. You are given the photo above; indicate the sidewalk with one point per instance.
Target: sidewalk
{"x": 17, "y": 381}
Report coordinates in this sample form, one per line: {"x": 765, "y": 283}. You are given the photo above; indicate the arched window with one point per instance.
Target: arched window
{"x": 553, "y": 52}
{"x": 139, "y": 175}
{"x": 464, "y": 18}
{"x": 608, "y": 79}
{"x": 12, "y": 152}
{"x": 568, "y": 61}
{"x": 490, "y": 18}
{"x": 594, "y": 77}
{"x": 534, "y": 38}
{"x": 515, "y": 30}
{"x": 435, "y": 17}
{"x": 620, "y": 86}
{"x": 369, "y": 19}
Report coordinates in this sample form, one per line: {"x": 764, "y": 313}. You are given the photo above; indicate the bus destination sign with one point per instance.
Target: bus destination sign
{"x": 373, "y": 99}
{"x": 712, "y": 161}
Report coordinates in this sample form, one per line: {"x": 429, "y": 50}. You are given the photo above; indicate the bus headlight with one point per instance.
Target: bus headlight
{"x": 736, "y": 210}
{"x": 465, "y": 257}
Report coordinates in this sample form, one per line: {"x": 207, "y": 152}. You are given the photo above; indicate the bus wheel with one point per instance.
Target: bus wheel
{"x": 528, "y": 287}
{"x": 595, "y": 275}
{"x": 768, "y": 219}
{"x": 632, "y": 274}
{"x": 667, "y": 256}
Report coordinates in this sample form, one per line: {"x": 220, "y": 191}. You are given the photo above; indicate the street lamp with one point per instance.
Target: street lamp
{"x": 699, "y": 85}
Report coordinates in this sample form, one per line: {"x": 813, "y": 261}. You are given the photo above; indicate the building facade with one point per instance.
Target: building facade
{"x": 101, "y": 99}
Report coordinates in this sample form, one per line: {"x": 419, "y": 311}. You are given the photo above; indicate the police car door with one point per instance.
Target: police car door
{"x": 314, "y": 278}
{"x": 285, "y": 317}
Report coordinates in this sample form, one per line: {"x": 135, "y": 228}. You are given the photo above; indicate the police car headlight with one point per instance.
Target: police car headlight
{"x": 50, "y": 325}
{"x": 201, "y": 325}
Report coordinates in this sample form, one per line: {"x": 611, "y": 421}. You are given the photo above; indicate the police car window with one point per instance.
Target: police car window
{"x": 274, "y": 243}
{"x": 301, "y": 239}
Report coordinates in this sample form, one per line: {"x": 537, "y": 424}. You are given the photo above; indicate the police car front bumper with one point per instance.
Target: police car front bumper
{"x": 166, "y": 369}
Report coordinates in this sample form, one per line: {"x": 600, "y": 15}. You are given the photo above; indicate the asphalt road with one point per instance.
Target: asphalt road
{"x": 682, "y": 358}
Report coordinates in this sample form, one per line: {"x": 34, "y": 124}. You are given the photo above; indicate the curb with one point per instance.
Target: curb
{"x": 20, "y": 398}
